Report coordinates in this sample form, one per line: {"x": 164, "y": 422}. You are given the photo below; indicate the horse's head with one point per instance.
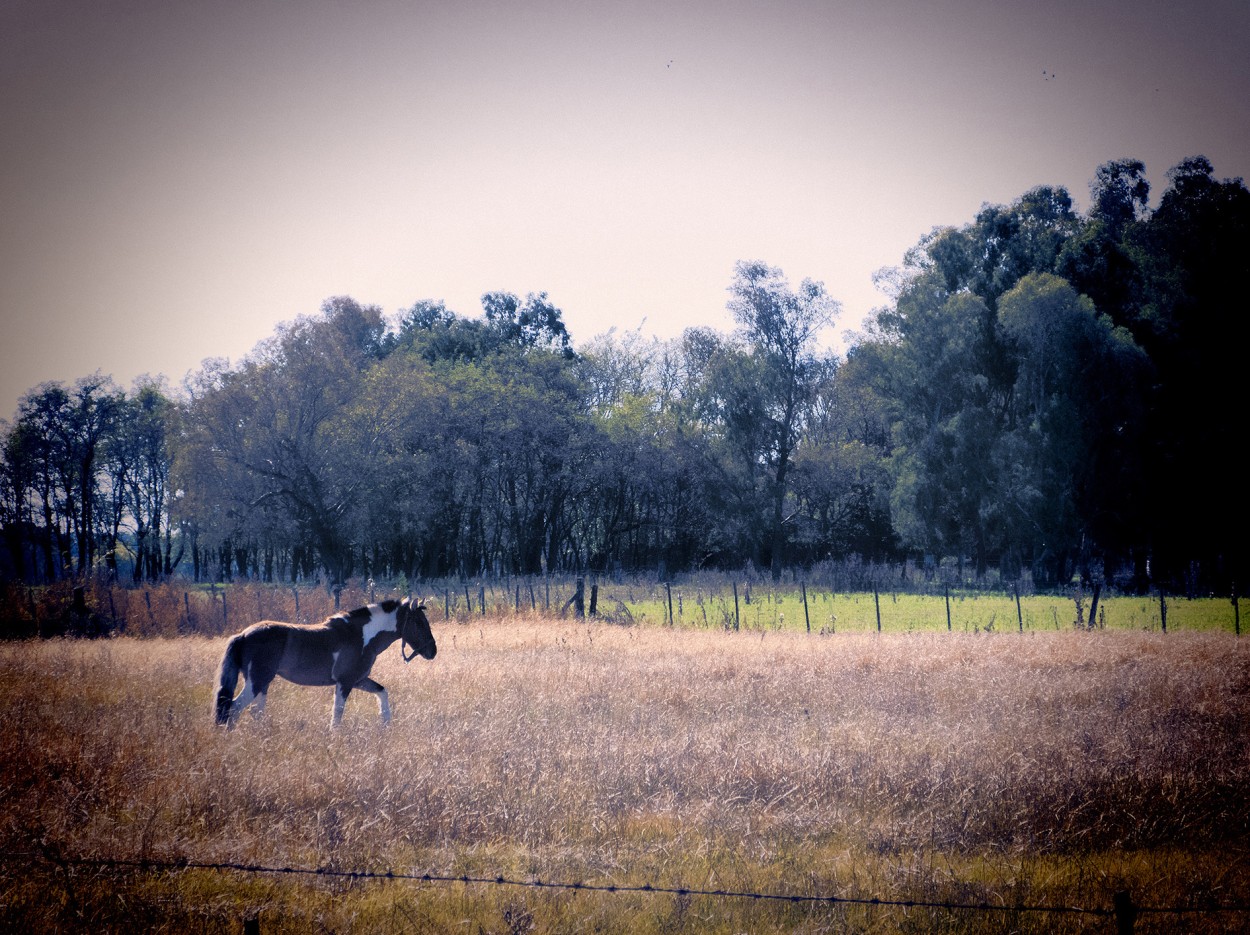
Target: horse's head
{"x": 414, "y": 631}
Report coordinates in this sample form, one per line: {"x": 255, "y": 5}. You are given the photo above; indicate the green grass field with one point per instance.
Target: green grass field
{"x": 825, "y": 612}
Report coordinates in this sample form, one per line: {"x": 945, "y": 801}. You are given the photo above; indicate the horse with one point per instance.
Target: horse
{"x": 339, "y": 651}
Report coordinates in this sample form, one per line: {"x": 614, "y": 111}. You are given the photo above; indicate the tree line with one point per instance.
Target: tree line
{"x": 1046, "y": 392}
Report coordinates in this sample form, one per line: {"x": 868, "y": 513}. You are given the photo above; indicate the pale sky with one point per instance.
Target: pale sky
{"x": 179, "y": 176}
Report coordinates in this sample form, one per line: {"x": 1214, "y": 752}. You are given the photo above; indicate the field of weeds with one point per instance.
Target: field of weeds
{"x": 1044, "y": 769}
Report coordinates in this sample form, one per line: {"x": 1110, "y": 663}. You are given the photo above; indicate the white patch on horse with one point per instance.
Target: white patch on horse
{"x": 379, "y": 623}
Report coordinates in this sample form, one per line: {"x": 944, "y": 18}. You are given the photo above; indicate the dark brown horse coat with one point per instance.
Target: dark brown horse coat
{"x": 340, "y": 651}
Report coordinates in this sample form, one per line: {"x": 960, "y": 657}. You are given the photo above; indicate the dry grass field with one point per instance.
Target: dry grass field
{"x": 1049, "y": 769}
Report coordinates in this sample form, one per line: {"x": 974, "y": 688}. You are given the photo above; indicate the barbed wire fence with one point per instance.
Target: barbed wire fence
{"x": 1124, "y": 911}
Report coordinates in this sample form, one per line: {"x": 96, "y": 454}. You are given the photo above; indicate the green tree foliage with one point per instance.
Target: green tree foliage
{"x": 1048, "y": 392}
{"x": 768, "y": 388}
{"x": 1075, "y": 419}
{"x": 138, "y": 459}
{"x": 1194, "y": 252}
{"x": 53, "y": 468}
{"x": 275, "y": 450}
{"x": 1053, "y": 380}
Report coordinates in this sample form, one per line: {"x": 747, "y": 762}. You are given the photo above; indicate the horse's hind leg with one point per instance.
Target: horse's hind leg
{"x": 258, "y": 705}
{"x": 255, "y": 691}
{"x": 384, "y": 701}
{"x": 245, "y": 698}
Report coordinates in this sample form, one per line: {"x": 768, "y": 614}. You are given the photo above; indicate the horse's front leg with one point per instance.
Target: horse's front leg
{"x": 341, "y": 692}
{"x": 384, "y": 702}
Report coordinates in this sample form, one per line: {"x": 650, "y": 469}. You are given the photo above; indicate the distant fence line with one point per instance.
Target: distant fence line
{"x": 1123, "y": 909}
{"x": 713, "y": 601}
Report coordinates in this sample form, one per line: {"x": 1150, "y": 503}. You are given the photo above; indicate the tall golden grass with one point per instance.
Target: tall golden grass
{"x": 1044, "y": 769}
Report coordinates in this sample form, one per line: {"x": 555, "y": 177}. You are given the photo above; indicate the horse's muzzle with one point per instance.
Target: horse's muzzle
{"x": 425, "y": 652}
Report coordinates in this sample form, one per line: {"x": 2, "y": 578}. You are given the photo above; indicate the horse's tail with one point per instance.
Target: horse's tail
{"x": 228, "y": 678}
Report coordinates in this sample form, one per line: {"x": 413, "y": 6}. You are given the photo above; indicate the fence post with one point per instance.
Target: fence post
{"x": 1163, "y": 611}
{"x": 735, "y": 606}
{"x": 34, "y": 609}
{"x": 594, "y": 600}
{"x": 668, "y": 589}
{"x": 1093, "y": 605}
{"x": 948, "y": 608}
{"x": 806, "y": 618}
{"x": 186, "y": 603}
{"x": 876, "y": 600}
{"x": 1019, "y": 614}
{"x": 481, "y": 599}
{"x": 1125, "y": 913}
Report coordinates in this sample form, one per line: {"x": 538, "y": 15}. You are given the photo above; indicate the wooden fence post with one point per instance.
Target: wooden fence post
{"x": 806, "y": 618}
{"x": 1093, "y": 605}
{"x": 594, "y": 599}
{"x": 1163, "y": 611}
{"x": 1125, "y": 913}
{"x": 948, "y": 608}
{"x": 1019, "y": 614}
{"x": 876, "y": 600}
{"x": 481, "y": 599}
{"x": 668, "y": 589}
{"x": 34, "y": 609}
{"x": 735, "y": 606}
{"x": 577, "y": 601}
